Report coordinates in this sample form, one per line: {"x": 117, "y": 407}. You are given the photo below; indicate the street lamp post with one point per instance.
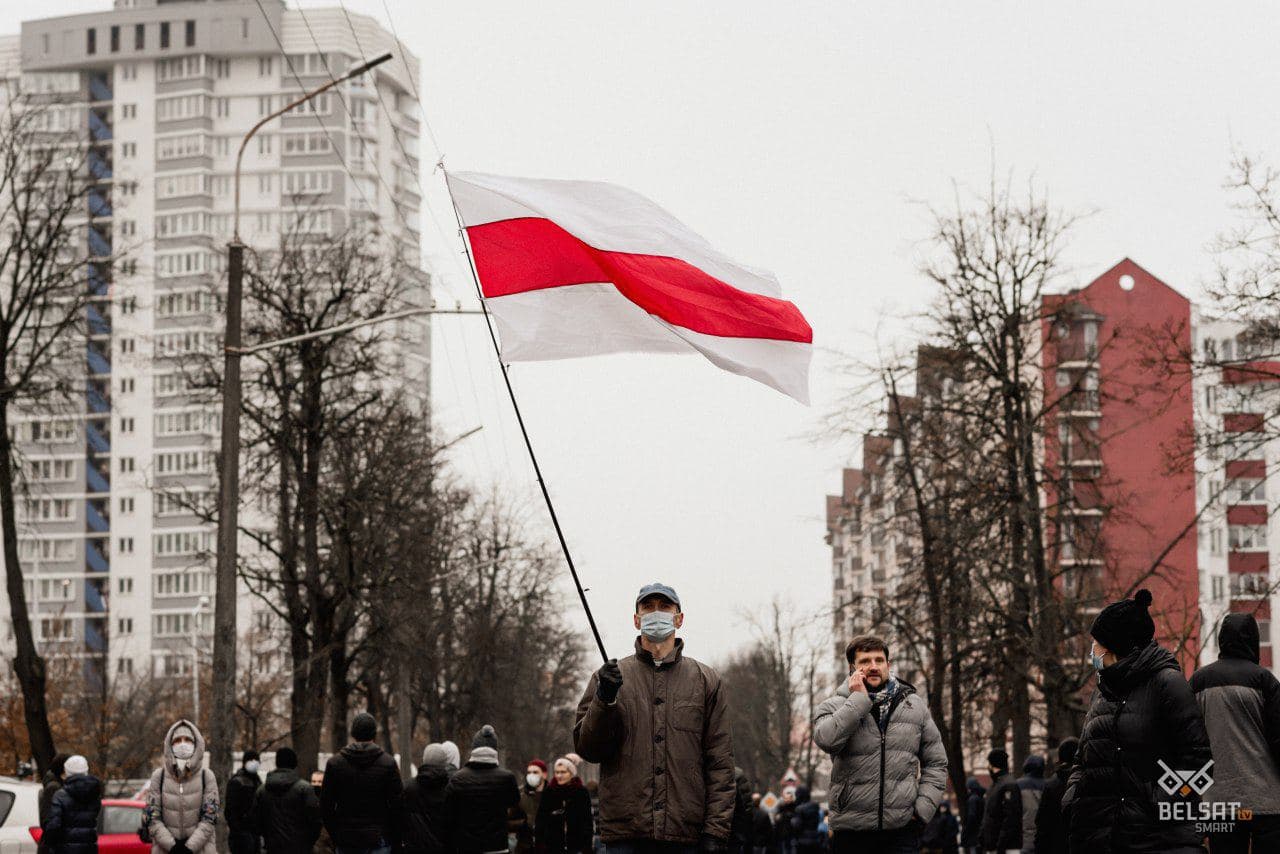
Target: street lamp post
{"x": 195, "y": 655}
{"x": 222, "y": 724}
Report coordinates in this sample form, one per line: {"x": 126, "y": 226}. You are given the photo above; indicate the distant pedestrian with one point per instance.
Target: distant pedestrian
{"x": 942, "y": 833}
{"x": 889, "y": 768}
{"x": 1241, "y": 705}
{"x": 72, "y": 823}
{"x": 740, "y": 828}
{"x": 361, "y": 793}
{"x": 1143, "y": 713}
{"x": 806, "y": 824}
{"x": 784, "y": 827}
{"x": 657, "y": 722}
{"x": 286, "y": 809}
{"x": 324, "y": 845}
{"x": 1031, "y": 788}
{"x": 1002, "y": 810}
{"x": 480, "y": 797}
{"x": 564, "y": 813}
{"x": 238, "y": 809}
{"x": 182, "y": 799}
{"x": 1051, "y": 831}
{"x": 762, "y": 841}
{"x": 50, "y": 784}
{"x": 525, "y": 815}
{"x": 426, "y": 823}
{"x": 971, "y": 828}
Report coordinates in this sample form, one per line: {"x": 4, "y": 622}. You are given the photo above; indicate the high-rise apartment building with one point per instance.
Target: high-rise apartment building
{"x": 162, "y": 92}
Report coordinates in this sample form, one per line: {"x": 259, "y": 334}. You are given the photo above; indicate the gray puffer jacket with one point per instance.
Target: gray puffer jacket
{"x": 187, "y": 808}
{"x": 881, "y": 778}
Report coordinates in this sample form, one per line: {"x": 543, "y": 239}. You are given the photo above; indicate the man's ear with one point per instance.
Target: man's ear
{"x": 679, "y": 620}
{"x": 636, "y": 619}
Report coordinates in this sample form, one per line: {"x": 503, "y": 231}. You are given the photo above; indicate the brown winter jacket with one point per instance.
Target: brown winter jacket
{"x": 666, "y": 761}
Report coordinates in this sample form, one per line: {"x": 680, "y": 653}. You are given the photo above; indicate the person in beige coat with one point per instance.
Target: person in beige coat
{"x": 182, "y": 798}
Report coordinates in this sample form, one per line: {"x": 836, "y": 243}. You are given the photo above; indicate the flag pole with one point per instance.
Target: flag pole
{"x": 506, "y": 378}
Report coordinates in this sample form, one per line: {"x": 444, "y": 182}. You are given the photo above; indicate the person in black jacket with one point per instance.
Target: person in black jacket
{"x": 563, "y": 823}
{"x": 971, "y": 829}
{"x": 361, "y": 794}
{"x": 479, "y": 797}
{"x": 1241, "y": 705}
{"x": 942, "y": 833}
{"x": 1051, "y": 832}
{"x": 50, "y": 785}
{"x": 804, "y": 823}
{"x": 1142, "y": 715}
{"x": 761, "y": 827}
{"x": 1002, "y": 810}
{"x": 286, "y": 810}
{"x": 241, "y": 788}
{"x": 426, "y": 825}
{"x": 72, "y": 823}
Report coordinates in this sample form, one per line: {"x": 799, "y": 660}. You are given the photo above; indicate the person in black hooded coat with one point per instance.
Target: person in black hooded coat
{"x": 1143, "y": 713}
{"x": 72, "y": 824}
{"x": 563, "y": 823}
{"x": 361, "y": 792}
{"x": 427, "y": 824}
{"x": 479, "y": 797}
{"x": 285, "y": 810}
{"x": 1051, "y": 833}
{"x": 971, "y": 827}
{"x": 804, "y": 823}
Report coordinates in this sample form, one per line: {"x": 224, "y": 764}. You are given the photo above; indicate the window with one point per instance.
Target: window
{"x": 124, "y": 626}
{"x": 308, "y": 63}
{"x": 127, "y": 345}
{"x": 56, "y": 628}
{"x": 164, "y": 35}
{"x": 178, "y": 625}
{"x": 126, "y": 505}
{"x": 128, "y": 305}
{"x": 187, "y": 145}
{"x": 264, "y": 66}
{"x": 127, "y": 464}
{"x": 44, "y": 48}
{"x": 91, "y": 45}
{"x": 171, "y": 384}
{"x": 51, "y": 470}
{"x": 184, "y": 462}
{"x": 264, "y": 144}
{"x": 128, "y": 228}
{"x": 1219, "y": 587}
{"x": 1264, "y": 632}
{"x": 221, "y": 185}
{"x": 221, "y": 146}
{"x": 114, "y": 820}
{"x": 139, "y": 36}
{"x": 187, "y": 304}
{"x": 1241, "y": 490}
{"x": 49, "y": 550}
{"x": 1215, "y": 541}
{"x": 222, "y": 107}
{"x": 181, "y": 107}
{"x": 173, "y": 543}
{"x": 302, "y": 183}
{"x": 244, "y": 28}
{"x": 129, "y": 149}
{"x": 320, "y": 105}
{"x": 53, "y": 431}
{"x": 128, "y": 188}
{"x": 191, "y": 422}
{"x": 1249, "y": 585}
{"x": 264, "y": 183}
{"x": 182, "y": 184}
{"x": 48, "y": 510}
{"x": 115, "y": 39}
{"x": 124, "y": 586}
{"x": 186, "y": 342}
{"x": 185, "y": 503}
{"x": 129, "y": 71}
{"x": 182, "y": 224}
{"x": 126, "y": 425}
{"x": 125, "y": 545}
{"x": 222, "y": 68}
{"x": 314, "y": 222}
{"x": 1247, "y": 537}
{"x": 181, "y": 68}
{"x": 188, "y": 263}
{"x": 316, "y": 142}
{"x": 127, "y": 385}
{"x": 191, "y": 34}
{"x": 129, "y": 111}
{"x": 264, "y": 105}
{"x": 52, "y": 590}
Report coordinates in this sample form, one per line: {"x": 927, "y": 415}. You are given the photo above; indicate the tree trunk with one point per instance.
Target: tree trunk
{"x": 28, "y": 666}
{"x": 339, "y": 697}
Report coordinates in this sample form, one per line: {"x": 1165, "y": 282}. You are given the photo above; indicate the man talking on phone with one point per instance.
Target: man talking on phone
{"x": 889, "y": 769}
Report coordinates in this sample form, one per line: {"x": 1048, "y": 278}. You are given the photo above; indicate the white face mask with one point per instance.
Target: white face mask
{"x": 252, "y": 766}
{"x": 533, "y": 780}
{"x": 657, "y": 626}
{"x": 184, "y": 750}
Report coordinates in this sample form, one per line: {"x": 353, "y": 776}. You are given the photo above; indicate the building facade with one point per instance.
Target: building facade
{"x": 118, "y": 555}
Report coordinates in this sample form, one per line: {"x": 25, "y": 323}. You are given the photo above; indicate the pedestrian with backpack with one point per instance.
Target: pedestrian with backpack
{"x": 181, "y": 816}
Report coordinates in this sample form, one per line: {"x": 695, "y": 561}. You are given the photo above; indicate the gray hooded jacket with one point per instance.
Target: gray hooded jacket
{"x": 187, "y": 808}
{"x": 880, "y": 779}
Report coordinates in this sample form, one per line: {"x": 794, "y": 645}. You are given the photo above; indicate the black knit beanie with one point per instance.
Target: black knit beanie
{"x": 286, "y": 758}
{"x": 998, "y": 758}
{"x": 485, "y": 737}
{"x": 1126, "y": 625}
{"x": 364, "y": 727}
{"x": 1067, "y": 751}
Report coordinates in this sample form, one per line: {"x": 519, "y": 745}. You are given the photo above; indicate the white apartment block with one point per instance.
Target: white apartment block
{"x": 164, "y": 91}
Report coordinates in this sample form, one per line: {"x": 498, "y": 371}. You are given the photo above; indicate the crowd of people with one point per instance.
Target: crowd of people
{"x": 656, "y": 724}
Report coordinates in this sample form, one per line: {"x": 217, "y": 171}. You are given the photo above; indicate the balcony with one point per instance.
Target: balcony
{"x": 98, "y": 325}
{"x": 97, "y": 403}
{"x": 97, "y": 362}
{"x": 96, "y": 481}
{"x": 99, "y": 281}
{"x": 99, "y": 88}
{"x": 96, "y": 521}
{"x": 97, "y": 442}
{"x": 99, "y": 246}
{"x": 99, "y": 166}
{"x": 99, "y": 128}
{"x": 94, "y": 601}
{"x": 94, "y": 640}
{"x": 99, "y": 205}
{"x": 94, "y": 559}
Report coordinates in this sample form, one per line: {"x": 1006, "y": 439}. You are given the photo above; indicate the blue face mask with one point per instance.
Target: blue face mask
{"x": 657, "y": 626}
{"x": 1096, "y": 660}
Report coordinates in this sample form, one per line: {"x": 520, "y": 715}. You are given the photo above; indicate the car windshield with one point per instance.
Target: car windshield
{"x": 121, "y": 819}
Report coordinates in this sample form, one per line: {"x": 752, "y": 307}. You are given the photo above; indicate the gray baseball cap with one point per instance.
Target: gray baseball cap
{"x": 657, "y": 588}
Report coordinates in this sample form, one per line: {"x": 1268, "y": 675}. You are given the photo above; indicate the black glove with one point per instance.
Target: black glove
{"x": 712, "y": 845}
{"x": 609, "y": 681}
{"x": 180, "y": 847}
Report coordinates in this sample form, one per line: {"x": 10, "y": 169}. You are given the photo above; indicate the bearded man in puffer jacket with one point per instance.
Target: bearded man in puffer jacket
{"x": 889, "y": 767}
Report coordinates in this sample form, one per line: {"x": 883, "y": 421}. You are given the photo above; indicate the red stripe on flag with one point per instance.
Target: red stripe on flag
{"x": 520, "y": 255}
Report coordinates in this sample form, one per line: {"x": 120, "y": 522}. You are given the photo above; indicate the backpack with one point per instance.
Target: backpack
{"x": 144, "y": 829}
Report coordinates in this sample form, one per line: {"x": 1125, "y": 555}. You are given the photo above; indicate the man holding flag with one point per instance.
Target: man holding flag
{"x": 657, "y": 723}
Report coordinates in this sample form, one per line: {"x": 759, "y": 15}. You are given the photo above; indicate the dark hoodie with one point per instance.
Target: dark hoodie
{"x": 286, "y": 813}
{"x": 1051, "y": 831}
{"x": 1241, "y": 705}
{"x": 426, "y": 826}
{"x": 1031, "y": 785}
{"x": 972, "y": 827}
{"x": 72, "y": 825}
{"x": 360, "y": 797}
{"x": 1142, "y": 714}
{"x": 805, "y": 821}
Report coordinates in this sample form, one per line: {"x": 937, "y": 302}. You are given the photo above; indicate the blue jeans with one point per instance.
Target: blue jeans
{"x": 648, "y": 846}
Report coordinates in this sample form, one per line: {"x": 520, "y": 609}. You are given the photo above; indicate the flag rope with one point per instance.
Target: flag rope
{"x": 506, "y": 378}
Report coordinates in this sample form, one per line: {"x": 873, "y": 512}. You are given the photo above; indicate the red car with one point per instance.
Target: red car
{"x": 117, "y": 828}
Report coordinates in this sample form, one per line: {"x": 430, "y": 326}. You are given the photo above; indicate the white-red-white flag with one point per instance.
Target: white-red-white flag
{"x": 582, "y": 268}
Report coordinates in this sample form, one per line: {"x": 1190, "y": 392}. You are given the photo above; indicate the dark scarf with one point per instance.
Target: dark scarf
{"x": 882, "y": 700}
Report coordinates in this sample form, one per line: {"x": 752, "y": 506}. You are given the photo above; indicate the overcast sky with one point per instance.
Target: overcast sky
{"x": 799, "y": 137}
